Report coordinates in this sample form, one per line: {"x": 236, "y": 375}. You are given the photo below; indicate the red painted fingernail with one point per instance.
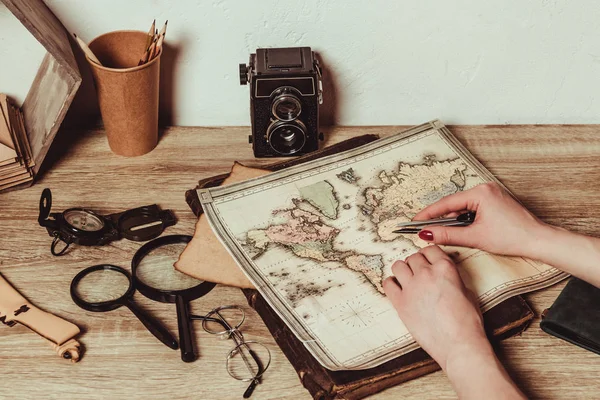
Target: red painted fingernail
{"x": 426, "y": 235}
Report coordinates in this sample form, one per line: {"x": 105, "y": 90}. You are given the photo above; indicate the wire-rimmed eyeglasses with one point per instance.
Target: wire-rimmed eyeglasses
{"x": 248, "y": 360}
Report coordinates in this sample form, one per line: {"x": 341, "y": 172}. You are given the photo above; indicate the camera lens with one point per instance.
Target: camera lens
{"x": 286, "y": 106}
{"x": 287, "y": 137}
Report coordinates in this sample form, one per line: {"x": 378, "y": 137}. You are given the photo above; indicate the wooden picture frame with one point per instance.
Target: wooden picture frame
{"x": 56, "y": 81}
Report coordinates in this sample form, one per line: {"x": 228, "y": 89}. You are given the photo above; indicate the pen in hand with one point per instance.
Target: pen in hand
{"x": 464, "y": 219}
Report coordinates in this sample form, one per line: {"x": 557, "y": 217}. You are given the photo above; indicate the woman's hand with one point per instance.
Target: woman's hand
{"x": 434, "y": 304}
{"x": 443, "y": 317}
{"x": 502, "y": 225}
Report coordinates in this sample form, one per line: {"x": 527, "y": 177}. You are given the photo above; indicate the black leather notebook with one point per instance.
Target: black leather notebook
{"x": 575, "y": 315}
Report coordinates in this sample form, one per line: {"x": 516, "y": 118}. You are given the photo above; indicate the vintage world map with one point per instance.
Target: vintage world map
{"x": 317, "y": 241}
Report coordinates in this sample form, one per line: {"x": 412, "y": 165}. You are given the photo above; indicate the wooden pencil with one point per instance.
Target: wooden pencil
{"x": 151, "y": 35}
{"x": 161, "y": 38}
{"x": 159, "y": 44}
{"x": 163, "y": 31}
{"x": 153, "y": 48}
{"x": 148, "y": 55}
{"x": 89, "y": 53}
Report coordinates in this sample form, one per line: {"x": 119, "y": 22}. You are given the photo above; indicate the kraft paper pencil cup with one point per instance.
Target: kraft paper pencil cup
{"x": 127, "y": 93}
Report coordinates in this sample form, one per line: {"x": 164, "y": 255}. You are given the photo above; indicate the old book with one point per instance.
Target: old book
{"x": 7, "y": 155}
{"x": 318, "y": 239}
{"x": 509, "y": 317}
{"x": 32, "y": 128}
{"x": 15, "y": 155}
{"x": 26, "y": 146}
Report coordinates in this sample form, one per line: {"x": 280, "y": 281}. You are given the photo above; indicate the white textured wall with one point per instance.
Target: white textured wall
{"x": 20, "y": 56}
{"x": 389, "y": 61}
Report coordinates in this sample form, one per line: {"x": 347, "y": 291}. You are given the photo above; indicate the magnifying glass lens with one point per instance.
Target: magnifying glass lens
{"x": 157, "y": 271}
{"x": 248, "y": 361}
{"x": 155, "y": 276}
{"x": 101, "y": 286}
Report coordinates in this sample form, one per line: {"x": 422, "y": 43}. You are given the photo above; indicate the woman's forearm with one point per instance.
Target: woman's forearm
{"x": 576, "y": 254}
{"x": 477, "y": 373}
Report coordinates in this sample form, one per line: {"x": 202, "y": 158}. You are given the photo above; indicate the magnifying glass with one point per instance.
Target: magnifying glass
{"x": 107, "y": 287}
{"x": 156, "y": 278}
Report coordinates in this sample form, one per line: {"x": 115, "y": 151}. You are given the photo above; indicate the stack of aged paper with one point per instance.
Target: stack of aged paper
{"x": 16, "y": 160}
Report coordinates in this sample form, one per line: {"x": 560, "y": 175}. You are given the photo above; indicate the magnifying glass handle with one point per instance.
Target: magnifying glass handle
{"x": 155, "y": 327}
{"x": 185, "y": 330}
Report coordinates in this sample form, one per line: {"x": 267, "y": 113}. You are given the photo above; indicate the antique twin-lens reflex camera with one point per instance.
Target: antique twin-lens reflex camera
{"x": 285, "y": 94}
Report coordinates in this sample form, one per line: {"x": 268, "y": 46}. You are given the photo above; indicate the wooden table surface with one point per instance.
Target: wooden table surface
{"x": 554, "y": 170}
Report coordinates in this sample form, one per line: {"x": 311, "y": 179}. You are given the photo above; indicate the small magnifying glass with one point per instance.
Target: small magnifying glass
{"x": 107, "y": 287}
{"x": 156, "y": 278}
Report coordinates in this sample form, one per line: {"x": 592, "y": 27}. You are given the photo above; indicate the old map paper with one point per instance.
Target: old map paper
{"x": 316, "y": 240}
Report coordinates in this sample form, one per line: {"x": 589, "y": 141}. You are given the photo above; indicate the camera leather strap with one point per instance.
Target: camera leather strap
{"x": 14, "y": 308}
